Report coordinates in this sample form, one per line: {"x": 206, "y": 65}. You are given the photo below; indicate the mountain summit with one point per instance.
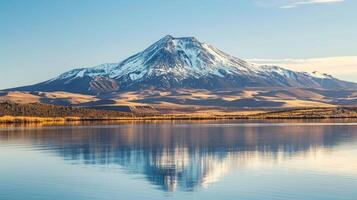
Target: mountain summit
{"x": 183, "y": 62}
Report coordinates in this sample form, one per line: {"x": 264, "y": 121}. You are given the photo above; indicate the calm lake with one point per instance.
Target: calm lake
{"x": 180, "y": 160}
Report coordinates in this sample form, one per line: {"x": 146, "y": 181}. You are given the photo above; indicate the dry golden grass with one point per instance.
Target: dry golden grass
{"x": 303, "y": 103}
{"x": 20, "y": 97}
{"x": 307, "y": 113}
{"x": 23, "y": 119}
{"x": 38, "y": 97}
{"x": 71, "y": 97}
{"x": 184, "y": 99}
{"x": 170, "y": 99}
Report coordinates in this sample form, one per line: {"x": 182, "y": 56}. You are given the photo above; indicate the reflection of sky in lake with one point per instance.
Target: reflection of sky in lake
{"x": 191, "y": 157}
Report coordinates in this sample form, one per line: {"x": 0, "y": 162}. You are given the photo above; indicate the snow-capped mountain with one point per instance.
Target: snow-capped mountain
{"x": 182, "y": 63}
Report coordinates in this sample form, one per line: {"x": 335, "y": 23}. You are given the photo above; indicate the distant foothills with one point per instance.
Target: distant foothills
{"x": 180, "y": 76}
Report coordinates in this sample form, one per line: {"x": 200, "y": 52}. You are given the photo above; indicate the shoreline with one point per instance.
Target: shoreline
{"x": 64, "y": 120}
{"x": 12, "y": 113}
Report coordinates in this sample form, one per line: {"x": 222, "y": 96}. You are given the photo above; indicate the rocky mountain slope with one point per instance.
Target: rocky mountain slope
{"x": 173, "y": 63}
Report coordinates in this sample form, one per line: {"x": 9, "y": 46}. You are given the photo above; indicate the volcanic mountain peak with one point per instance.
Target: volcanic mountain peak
{"x": 181, "y": 57}
{"x": 182, "y": 62}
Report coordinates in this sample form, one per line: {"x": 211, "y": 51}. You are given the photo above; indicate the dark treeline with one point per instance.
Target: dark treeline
{"x": 44, "y": 110}
{"x": 51, "y": 111}
{"x": 310, "y": 113}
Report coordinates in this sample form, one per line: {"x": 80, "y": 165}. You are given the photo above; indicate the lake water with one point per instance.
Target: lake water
{"x": 202, "y": 160}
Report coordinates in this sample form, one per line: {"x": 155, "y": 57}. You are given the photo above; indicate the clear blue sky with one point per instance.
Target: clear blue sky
{"x": 41, "y": 38}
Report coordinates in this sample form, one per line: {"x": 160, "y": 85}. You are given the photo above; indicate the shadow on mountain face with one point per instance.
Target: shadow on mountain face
{"x": 98, "y": 103}
{"x": 56, "y": 101}
{"x": 248, "y": 102}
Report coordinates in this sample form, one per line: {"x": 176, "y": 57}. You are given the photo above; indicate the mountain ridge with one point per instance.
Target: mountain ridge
{"x": 182, "y": 62}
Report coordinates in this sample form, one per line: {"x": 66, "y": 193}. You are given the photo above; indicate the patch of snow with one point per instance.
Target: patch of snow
{"x": 185, "y": 58}
{"x": 319, "y": 75}
{"x": 81, "y": 73}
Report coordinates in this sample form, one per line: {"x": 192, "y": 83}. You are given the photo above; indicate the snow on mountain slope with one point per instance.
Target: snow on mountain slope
{"x": 99, "y": 70}
{"x": 183, "y": 63}
{"x": 182, "y": 57}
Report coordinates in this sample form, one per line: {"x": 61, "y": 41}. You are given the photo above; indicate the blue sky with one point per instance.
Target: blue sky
{"x": 41, "y": 38}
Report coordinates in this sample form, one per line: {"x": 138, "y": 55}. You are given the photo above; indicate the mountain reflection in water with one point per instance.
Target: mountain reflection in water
{"x": 184, "y": 156}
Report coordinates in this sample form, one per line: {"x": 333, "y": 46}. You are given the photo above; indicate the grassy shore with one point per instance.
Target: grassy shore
{"x": 32, "y": 119}
{"x": 41, "y": 113}
{"x": 309, "y": 113}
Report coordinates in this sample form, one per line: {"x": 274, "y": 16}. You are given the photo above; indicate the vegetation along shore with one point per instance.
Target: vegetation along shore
{"x": 34, "y": 113}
